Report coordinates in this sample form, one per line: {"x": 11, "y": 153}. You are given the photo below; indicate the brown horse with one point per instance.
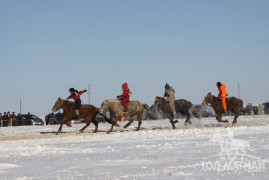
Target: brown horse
{"x": 182, "y": 106}
{"x": 116, "y": 109}
{"x": 87, "y": 112}
{"x": 233, "y": 104}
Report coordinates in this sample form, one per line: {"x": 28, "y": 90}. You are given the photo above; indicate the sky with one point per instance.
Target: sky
{"x": 47, "y": 47}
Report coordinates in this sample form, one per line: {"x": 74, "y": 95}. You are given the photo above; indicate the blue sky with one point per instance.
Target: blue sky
{"x": 46, "y": 47}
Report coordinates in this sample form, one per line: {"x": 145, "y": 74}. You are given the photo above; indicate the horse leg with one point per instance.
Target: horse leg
{"x": 87, "y": 124}
{"x": 129, "y": 123}
{"x": 62, "y": 123}
{"x": 139, "y": 119}
{"x": 172, "y": 122}
{"x": 96, "y": 126}
{"x": 219, "y": 118}
{"x": 111, "y": 129}
{"x": 235, "y": 117}
{"x": 188, "y": 120}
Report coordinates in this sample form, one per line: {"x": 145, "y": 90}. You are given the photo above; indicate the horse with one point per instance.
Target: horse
{"x": 116, "y": 111}
{"x": 87, "y": 112}
{"x": 182, "y": 106}
{"x": 233, "y": 104}
{"x": 151, "y": 113}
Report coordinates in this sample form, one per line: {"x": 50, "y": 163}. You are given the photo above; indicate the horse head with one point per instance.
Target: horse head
{"x": 207, "y": 99}
{"x": 104, "y": 107}
{"x": 58, "y": 104}
{"x": 158, "y": 101}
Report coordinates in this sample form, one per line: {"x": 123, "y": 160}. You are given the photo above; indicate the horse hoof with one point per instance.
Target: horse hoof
{"x": 234, "y": 124}
{"x": 108, "y": 132}
{"x": 176, "y": 121}
{"x": 185, "y": 124}
{"x": 94, "y": 132}
{"x": 125, "y": 126}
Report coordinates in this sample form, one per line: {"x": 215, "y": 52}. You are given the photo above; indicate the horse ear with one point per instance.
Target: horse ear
{"x": 59, "y": 98}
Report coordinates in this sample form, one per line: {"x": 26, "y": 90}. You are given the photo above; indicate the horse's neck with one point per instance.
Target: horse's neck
{"x": 164, "y": 105}
{"x": 214, "y": 102}
{"x": 67, "y": 106}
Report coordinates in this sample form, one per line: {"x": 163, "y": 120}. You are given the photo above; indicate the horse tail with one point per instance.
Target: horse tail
{"x": 193, "y": 112}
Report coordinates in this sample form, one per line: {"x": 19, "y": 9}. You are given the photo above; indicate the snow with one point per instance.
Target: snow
{"x": 155, "y": 152}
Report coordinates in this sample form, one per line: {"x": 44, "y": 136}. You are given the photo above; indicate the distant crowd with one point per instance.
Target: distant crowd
{"x": 11, "y": 119}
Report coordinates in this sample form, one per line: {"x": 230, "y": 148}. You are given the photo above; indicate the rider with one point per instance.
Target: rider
{"x": 169, "y": 96}
{"x": 74, "y": 94}
{"x": 125, "y": 97}
{"x": 222, "y": 95}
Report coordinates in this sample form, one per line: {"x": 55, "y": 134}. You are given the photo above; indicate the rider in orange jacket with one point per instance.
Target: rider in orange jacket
{"x": 125, "y": 96}
{"x": 222, "y": 95}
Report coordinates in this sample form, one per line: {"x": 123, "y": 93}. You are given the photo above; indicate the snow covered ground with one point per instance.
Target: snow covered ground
{"x": 204, "y": 150}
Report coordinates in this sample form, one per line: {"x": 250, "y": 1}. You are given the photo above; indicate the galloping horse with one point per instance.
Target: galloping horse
{"x": 116, "y": 109}
{"x": 233, "y": 104}
{"x": 87, "y": 112}
{"x": 182, "y": 106}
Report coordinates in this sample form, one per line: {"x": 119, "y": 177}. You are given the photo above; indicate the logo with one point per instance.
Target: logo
{"x": 234, "y": 155}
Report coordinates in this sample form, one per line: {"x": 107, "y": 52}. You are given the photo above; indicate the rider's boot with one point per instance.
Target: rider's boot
{"x": 76, "y": 114}
{"x": 174, "y": 119}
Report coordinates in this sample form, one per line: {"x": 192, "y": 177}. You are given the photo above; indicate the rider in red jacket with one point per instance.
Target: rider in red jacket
{"x": 74, "y": 94}
{"x": 125, "y": 97}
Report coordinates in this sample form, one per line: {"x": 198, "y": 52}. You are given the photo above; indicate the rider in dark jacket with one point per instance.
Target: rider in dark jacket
{"x": 74, "y": 94}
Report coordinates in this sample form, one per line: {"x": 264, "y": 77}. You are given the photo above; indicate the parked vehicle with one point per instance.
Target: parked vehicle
{"x": 34, "y": 120}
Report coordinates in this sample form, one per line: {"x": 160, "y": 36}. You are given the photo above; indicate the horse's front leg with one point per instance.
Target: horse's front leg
{"x": 188, "y": 120}
{"x": 235, "y": 118}
{"x": 172, "y": 122}
{"x": 111, "y": 129}
{"x": 114, "y": 120}
{"x": 65, "y": 121}
{"x": 129, "y": 123}
{"x": 219, "y": 119}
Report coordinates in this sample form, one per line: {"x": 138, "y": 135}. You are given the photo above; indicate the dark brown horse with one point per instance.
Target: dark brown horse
{"x": 87, "y": 112}
{"x": 116, "y": 109}
{"x": 182, "y": 106}
{"x": 233, "y": 104}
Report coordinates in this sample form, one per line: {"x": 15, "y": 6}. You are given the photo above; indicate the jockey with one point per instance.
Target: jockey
{"x": 222, "y": 95}
{"x": 125, "y": 97}
{"x": 169, "y": 96}
{"x": 74, "y": 94}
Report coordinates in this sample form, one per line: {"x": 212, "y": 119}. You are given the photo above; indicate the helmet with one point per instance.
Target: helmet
{"x": 166, "y": 86}
{"x": 72, "y": 90}
{"x": 218, "y": 84}
{"x": 125, "y": 85}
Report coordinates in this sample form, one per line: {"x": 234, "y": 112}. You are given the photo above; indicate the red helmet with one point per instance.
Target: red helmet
{"x": 125, "y": 85}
